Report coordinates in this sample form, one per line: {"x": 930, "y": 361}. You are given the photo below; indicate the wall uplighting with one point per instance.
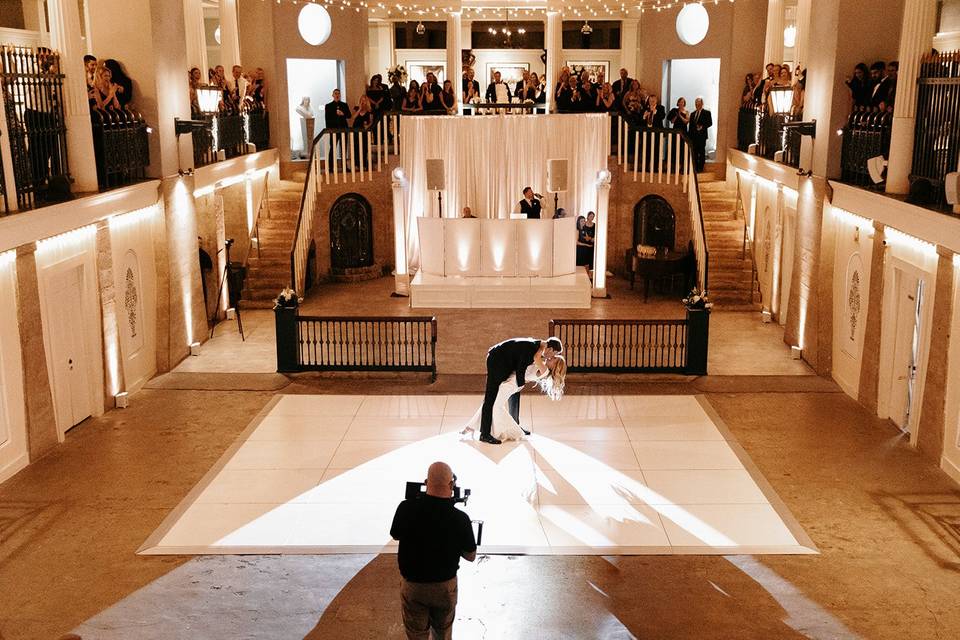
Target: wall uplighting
{"x": 194, "y": 348}
{"x": 796, "y": 352}
{"x": 314, "y": 24}
{"x": 121, "y": 400}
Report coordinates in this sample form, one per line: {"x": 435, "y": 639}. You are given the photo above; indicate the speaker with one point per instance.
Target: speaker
{"x": 951, "y": 185}
{"x": 435, "y": 181}
{"x": 557, "y": 175}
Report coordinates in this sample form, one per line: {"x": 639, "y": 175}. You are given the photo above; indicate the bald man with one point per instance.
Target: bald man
{"x": 434, "y": 534}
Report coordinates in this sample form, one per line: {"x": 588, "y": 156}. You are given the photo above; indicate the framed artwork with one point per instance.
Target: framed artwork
{"x": 510, "y": 72}
{"x": 593, "y": 67}
{"x": 418, "y": 70}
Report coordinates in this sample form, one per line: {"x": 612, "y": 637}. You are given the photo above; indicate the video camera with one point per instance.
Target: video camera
{"x": 419, "y": 489}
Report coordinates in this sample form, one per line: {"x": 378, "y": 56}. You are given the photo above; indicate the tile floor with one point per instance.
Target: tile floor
{"x": 600, "y": 475}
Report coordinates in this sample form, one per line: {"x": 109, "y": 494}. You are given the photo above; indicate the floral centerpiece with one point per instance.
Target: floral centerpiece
{"x": 697, "y": 299}
{"x": 288, "y": 298}
{"x": 398, "y": 72}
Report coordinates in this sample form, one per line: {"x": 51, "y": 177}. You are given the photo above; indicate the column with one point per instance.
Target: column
{"x": 229, "y": 35}
{"x": 553, "y": 42}
{"x": 112, "y": 359}
{"x": 801, "y": 49}
{"x": 196, "y": 38}
{"x": 870, "y": 358}
{"x": 773, "y": 46}
{"x": 600, "y": 242}
{"x": 454, "y": 58}
{"x": 400, "y": 274}
{"x": 65, "y": 38}
{"x": 629, "y": 31}
{"x": 930, "y": 430}
{"x": 916, "y": 36}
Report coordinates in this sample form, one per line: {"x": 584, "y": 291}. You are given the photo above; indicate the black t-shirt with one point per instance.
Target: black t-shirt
{"x": 433, "y": 534}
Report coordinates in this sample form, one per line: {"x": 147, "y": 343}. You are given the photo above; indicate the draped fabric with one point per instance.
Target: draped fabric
{"x": 488, "y": 160}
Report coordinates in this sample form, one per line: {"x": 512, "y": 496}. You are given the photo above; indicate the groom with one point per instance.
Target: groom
{"x": 510, "y": 357}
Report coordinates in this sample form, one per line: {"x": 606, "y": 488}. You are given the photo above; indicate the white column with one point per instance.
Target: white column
{"x": 629, "y": 31}
{"x": 400, "y": 273}
{"x": 229, "y": 36}
{"x": 554, "y": 45}
{"x": 916, "y": 37}
{"x": 196, "y": 38}
{"x": 454, "y": 59}
{"x": 65, "y": 38}
{"x": 600, "y": 242}
{"x": 773, "y": 46}
{"x": 801, "y": 50}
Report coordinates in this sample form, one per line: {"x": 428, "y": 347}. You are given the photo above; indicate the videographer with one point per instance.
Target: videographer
{"x": 433, "y": 536}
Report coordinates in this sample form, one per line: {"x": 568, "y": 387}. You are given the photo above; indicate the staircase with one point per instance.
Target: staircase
{"x": 268, "y": 268}
{"x": 732, "y": 281}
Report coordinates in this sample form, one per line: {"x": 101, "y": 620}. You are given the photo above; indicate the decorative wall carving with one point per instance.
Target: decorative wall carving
{"x": 132, "y": 302}
{"x": 853, "y": 305}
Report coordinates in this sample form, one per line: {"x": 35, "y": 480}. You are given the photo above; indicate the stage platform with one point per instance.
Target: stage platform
{"x": 600, "y": 475}
{"x": 489, "y": 292}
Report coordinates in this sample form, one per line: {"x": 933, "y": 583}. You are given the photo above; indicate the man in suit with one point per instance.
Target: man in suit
{"x": 758, "y": 92}
{"x": 700, "y": 121}
{"x": 885, "y": 93}
{"x": 621, "y": 86}
{"x": 510, "y": 358}
{"x": 520, "y": 88}
{"x": 335, "y": 116}
{"x": 498, "y": 91}
{"x": 530, "y": 205}
{"x": 879, "y": 85}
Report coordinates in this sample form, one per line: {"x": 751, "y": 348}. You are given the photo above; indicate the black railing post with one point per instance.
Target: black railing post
{"x": 287, "y": 336}
{"x": 698, "y": 340}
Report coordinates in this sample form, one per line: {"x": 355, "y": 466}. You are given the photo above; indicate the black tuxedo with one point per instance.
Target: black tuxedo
{"x": 620, "y": 88}
{"x": 509, "y": 358}
{"x": 335, "y": 114}
{"x": 532, "y": 209}
{"x": 699, "y": 123}
{"x": 883, "y": 92}
{"x": 491, "y": 95}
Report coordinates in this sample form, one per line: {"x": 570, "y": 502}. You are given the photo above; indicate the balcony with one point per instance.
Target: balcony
{"x": 228, "y": 135}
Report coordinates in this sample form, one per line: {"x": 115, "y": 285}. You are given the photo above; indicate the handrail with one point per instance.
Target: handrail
{"x": 698, "y": 227}
{"x": 300, "y": 248}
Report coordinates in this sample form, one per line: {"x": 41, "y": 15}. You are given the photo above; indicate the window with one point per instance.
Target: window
{"x": 600, "y": 34}
{"x": 434, "y": 35}
{"x": 531, "y": 37}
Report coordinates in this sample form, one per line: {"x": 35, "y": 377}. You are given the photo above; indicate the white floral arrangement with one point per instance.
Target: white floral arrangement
{"x": 698, "y": 300}
{"x": 288, "y": 298}
{"x": 646, "y": 251}
{"x": 475, "y": 100}
{"x": 397, "y": 71}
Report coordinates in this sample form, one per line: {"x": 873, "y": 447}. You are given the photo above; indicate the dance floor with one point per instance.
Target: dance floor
{"x": 600, "y": 475}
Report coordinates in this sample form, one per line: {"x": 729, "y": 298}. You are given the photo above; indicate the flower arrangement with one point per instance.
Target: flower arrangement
{"x": 399, "y": 72}
{"x": 697, "y": 299}
{"x": 288, "y": 298}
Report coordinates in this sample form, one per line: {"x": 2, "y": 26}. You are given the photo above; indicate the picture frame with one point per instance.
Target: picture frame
{"x": 418, "y": 70}
{"x": 592, "y": 66}
{"x": 510, "y": 72}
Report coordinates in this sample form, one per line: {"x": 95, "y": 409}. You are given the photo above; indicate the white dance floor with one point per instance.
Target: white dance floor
{"x": 600, "y": 475}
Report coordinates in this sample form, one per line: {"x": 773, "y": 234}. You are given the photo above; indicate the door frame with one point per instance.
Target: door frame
{"x": 894, "y": 268}
{"x": 950, "y": 458}
{"x": 11, "y": 387}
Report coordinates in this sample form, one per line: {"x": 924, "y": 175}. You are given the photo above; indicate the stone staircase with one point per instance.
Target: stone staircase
{"x": 732, "y": 280}
{"x": 268, "y": 269}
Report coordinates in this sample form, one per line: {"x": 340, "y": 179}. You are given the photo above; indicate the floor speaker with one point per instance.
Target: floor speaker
{"x": 557, "y": 175}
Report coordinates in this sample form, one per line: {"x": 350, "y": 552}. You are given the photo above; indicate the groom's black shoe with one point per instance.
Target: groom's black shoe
{"x": 525, "y": 432}
{"x": 489, "y": 439}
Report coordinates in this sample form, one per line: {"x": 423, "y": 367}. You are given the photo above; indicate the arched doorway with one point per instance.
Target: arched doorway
{"x": 654, "y": 223}
{"x": 351, "y": 233}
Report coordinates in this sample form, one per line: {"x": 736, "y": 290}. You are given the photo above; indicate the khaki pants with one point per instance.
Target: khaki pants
{"x": 429, "y": 606}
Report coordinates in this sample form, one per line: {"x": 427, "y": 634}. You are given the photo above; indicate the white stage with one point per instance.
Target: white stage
{"x": 484, "y": 292}
{"x": 601, "y": 475}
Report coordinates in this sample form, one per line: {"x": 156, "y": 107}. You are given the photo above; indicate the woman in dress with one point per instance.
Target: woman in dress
{"x": 448, "y": 99}
{"x": 679, "y": 117}
{"x": 411, "y": 102}
{"x": 123, "y": 84}
{"x": 105, "y": 90}
{"x": 362, "y": 120}
{"x": 377, "y": 93}
{"x": 547, "y": 374}
{"x": 195, "y": 79}
{"x": 606, "y": 99}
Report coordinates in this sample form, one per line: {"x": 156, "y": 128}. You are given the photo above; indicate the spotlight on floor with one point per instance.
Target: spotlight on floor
{"x": 121, "y": 400}
{"x": 231, "y": 313}
{"x": 194, "y": 348}
{"x": 766, "y": 316}
{"x": 796, "y": 352}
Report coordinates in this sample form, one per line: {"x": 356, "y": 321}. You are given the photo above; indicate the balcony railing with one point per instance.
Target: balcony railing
{"x": 121, "y": 147}
{"x": 230, "y": 135}
{"x": 936, "y": 145}
{"x": 866, "y": 135}
{"x": 760, "y": 131}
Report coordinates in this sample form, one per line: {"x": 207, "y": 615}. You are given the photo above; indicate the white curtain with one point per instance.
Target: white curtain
{"x": 488, "y": 160}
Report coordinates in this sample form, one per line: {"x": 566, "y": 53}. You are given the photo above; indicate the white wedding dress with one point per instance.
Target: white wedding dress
{"x": 503, "y": 426}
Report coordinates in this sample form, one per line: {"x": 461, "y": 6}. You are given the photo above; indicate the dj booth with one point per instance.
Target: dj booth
{"x": 506, "y": 263}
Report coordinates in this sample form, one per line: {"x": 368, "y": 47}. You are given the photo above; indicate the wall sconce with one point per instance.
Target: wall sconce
{"x": 782, "y": 99}
{"x": 209, "y": 98}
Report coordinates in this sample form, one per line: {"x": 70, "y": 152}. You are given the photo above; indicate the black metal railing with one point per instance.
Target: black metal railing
{"x": 635, "y": 346}
{"x": 229, "y": 135}
{"x": 355, "y": 343}
{"x": 756, "y": 125}
{"x": 121, "y": 147}
{"x": 32, "y": 86}
{"x": 748, "y": 125}
{"x": 866, "y": 135}
{"x": 937, "y": 133}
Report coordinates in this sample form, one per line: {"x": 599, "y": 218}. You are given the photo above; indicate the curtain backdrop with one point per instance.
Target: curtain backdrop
{"x": 488, "y": 160}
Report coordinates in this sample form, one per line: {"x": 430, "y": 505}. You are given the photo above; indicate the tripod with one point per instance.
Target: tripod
{"x": 234, "y": 299}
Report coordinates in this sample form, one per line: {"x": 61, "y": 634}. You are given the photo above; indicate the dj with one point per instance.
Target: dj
{"x": 530, "y": 204}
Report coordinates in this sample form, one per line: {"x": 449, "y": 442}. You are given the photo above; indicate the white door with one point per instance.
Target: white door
{"x": 905, "y": 348}
{"x": 71, "y": 393}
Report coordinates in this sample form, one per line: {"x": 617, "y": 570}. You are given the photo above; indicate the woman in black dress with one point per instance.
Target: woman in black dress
{"x": 679, "y": 117}
{"x": 447, "y": 98}
{"x": 411, "y": 102}
{"x": 859, "y": 85}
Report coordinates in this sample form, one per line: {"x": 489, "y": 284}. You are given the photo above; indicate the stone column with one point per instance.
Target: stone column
{"x": 603, "y": 229}
{"x": 930, "y": 430}
{"x": 553, "y": 43}
{"x": 454, "y": 64}
{"x": 42, "y": 434}
{"x": 229, "y": 35}
{"x": 401, "y": 274}
{"x": 916, "y": 35}
{"x": 106, "y": 284}
{"x": 196, "y": 37}
{"x": 65, "y": 38}
{"x": 801, "y": 49}
{"x": 629, "y": 32}
{"x": 773, "y": 46}
{"x": 870, "y": 358}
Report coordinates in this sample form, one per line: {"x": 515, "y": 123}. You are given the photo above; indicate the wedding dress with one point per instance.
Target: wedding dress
{"x": 503, "y": 426}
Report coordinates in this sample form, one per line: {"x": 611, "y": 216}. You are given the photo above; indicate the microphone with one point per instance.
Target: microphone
{"x": 537, "y": 195}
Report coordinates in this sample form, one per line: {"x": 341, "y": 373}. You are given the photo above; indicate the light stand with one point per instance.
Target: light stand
{"x": 439, "y": 204}
{"x": 556, "y": 201}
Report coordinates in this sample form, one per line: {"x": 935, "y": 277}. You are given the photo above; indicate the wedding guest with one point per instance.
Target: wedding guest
{"x": 860, "y": 88}
{"x": 124, "y": 85}
{"x": 467, "y": 213}
{"x": 653, "y": 113}
{"x": 105, "y": 89}
{"x": 760, "y": 92}
{"x": 539, "y": 95}
{"x": 363, "y": 119}
{"x": 520, "y": 89}
{"x": 497, "y": 91}
{"x": 890, "y": 91}
{"x": 749, "y": 86}
{"x": 195, "y": 79}
{"x": 336, "y": 115}
{"x": 378, "y": 94}
{"x": 700, "y": 121}
{"x": 448, "y": 100}
{"x": 606, "y": 99}
{"x": 258, "y": 91}
{"x": 622, "y": 86}
{"x": 397, "y": 92}
{"x": 679, "y": 117}
{"x": 588, "y": 92}
{"x": 90, "y": 72}
{"x": 569, "y": 98}
{"x": 236, "y": 89}
{"x": 562, "y": 83}
{"x": 411, "y": 102}
{"x": 559, "y": 213}
{"x": 431, "y": 91}
{"x": 471, "y": 88}
{"x": 586, "y": 235}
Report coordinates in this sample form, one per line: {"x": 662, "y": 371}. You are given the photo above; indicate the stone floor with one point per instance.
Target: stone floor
{"x": 883, "y": 518}
{"x": 739, "y": 343}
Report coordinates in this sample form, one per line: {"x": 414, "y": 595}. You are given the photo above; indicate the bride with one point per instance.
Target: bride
{"x": 549, "y": 374}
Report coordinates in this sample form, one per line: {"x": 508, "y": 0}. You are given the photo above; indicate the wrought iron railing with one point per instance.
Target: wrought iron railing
{"x": 937, "y": 134}
{"x": 32, "y": 87}
{"x": 634, "y": 346}
{"x": 121, "y": 147}
{"x": 355, "y": 343}
{"x": 230, "y": 135}
{"x": 748, "y": 125}
{"x": 866, "y": 135}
